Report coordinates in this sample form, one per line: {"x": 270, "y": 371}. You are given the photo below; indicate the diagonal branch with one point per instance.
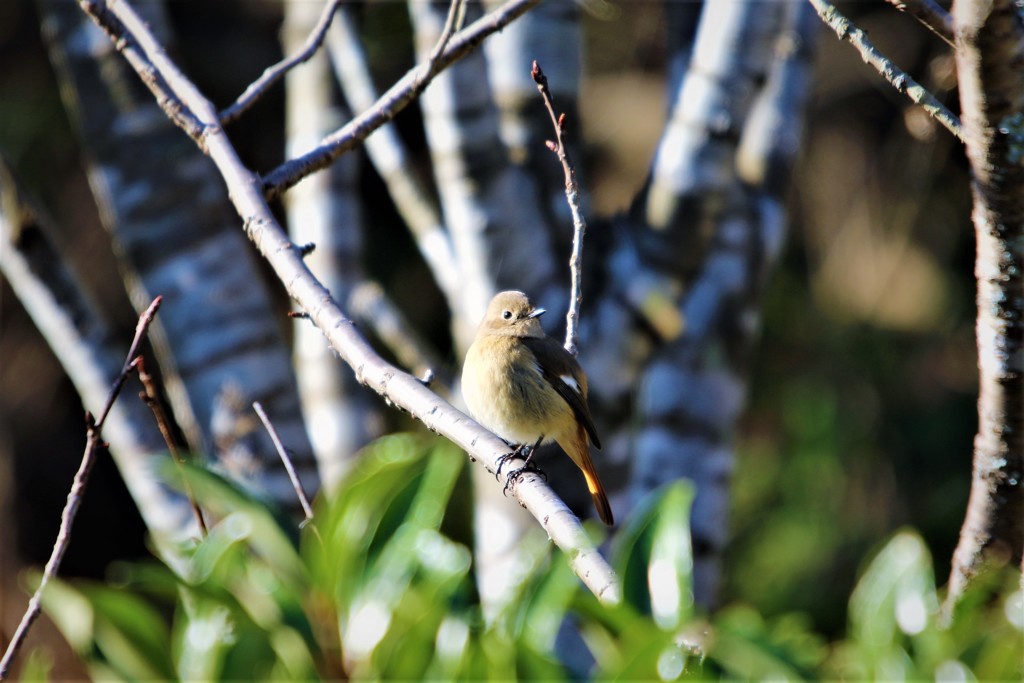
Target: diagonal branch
{"x": 273, "y": 74}
{"x": 393, "y": 162}
{"x": 93, "y": 445}
{"x": 393, "y": 101}
{"x": 402, "y": 389}
{"x": 151, "y": 398}
{"x": 929, "y": 13}
{"x": 372, "y": 307}
{"x": 456, "y": 15}
{"x": 151, "y": 77}
{"x": 896, "y": 77}
{"x": 300, "y": 493}
{"x": 91, "y": 354}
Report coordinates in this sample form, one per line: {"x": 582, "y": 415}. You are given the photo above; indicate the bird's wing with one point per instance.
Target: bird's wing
{"x": 565, "y": 376}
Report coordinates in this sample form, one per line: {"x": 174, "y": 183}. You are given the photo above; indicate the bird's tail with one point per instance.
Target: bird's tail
{"x": 579, "y": 451}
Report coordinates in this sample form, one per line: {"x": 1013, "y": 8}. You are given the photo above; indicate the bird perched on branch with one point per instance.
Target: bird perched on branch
{"x": 523, "y": 386}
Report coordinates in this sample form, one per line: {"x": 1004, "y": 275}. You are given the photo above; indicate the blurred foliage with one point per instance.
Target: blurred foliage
{"x": 379, "y": 586}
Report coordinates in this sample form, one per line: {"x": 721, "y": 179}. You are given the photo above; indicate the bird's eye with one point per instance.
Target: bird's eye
{"x": 507, "y": 315}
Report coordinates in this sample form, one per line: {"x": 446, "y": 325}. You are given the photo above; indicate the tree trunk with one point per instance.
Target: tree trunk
{"x": 990, "y": 70}
{"x": 217, "y": 340}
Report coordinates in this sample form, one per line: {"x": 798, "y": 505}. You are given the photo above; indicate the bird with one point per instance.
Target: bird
{"x": 525, "y": 387}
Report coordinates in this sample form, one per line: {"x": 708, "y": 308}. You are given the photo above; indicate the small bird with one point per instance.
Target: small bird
{"x": 523, "y": 386}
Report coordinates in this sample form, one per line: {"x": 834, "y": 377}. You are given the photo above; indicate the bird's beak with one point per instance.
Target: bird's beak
{"x": 536, "y": 313}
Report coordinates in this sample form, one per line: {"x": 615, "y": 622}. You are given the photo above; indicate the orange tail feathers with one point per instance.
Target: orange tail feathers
{"x": 579, "y": 451}
{"x": 604, "y": 509}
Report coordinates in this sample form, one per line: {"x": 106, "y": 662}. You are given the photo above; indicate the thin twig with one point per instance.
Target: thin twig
{"x": 897, "y": 78}
{"x": 572, "y": 195}
{"x": 307, "y": 509}
{"x": 94, "y": 441}
{"x": 273, "y": 74}
{"x": 152, "y": 399}
{"x": 929, "y": 13}
{"x": 456, "y": 15}
{"x": 398, "y": 96}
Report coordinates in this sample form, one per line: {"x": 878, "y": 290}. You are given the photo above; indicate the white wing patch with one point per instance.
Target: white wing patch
{"x": 571, "y": 381}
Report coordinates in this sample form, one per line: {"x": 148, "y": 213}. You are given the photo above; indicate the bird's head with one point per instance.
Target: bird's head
{"x": 511, "y": 314}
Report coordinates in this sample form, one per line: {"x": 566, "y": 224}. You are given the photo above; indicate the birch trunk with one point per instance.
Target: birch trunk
{"x": 325, "y": 210}
{"x": 217, "y": 340}
{"x": 92, "y": 357}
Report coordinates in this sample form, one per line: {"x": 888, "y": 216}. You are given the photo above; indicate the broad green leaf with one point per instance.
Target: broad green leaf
{"x": 896, "y": 595}
{"x": 242, "y": 518}
{"x": 37, "y": 667}
{"x": 653, "y": 555}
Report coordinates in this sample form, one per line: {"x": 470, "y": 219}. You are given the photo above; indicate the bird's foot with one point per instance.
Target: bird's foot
{"x": 513, "y": 475}
{"x": 527, "y": 466}
{"x": 517, "y": 452}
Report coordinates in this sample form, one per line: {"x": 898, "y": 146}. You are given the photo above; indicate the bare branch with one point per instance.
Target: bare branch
{"x": 402, "y": 389}
{"x": 391, "y": 102}
{"x": 307, "y": 509}
{"x": 176, "y": 111}
{"x": 90, "y": 353}
{"x": 389, "y": 155}
{"x": 152, "y": 399}
{"x": 456, "y": 15}
{"x": 929, "y": 13}
{"x": 93, "y": 445}
{"x": 572, "y": 195}
{"x": 273, "y": 74}
{"x": 897, "y": 78}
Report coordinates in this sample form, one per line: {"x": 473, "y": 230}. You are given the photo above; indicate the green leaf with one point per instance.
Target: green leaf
{"x": 115, "y": 632}
{"x": 38, "y": 666}
{"x": 243, "y": 518}
{"x": 653, "y": 555}
{"x": 744, "y": 646}
{"x": 896, "y": 595}
{"x": 364, "y": 513}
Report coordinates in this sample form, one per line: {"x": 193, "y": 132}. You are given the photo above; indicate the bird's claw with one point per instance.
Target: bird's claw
{"x": 522, "y": 451}
{"x": 516, "y": 453}
{"x": 504, "y": 459}
{"x": 513, "y": 476}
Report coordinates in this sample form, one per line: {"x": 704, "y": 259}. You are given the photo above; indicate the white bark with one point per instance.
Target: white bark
{"x": 325, "y": 210}
{"x": 217, "y": 342}
{"x": 92, "y": 357}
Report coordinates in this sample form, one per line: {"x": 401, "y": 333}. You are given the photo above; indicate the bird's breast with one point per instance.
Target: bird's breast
{"x": 506, "y": 392}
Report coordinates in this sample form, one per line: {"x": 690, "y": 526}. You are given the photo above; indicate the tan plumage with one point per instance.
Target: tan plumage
{"x": 522, "y": 385}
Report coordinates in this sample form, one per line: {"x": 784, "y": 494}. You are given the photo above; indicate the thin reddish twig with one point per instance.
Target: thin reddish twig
{"x": 930, "y": 14}
{"x": 152, "y": 399}
{"x": 572, "y": 195}
{"x": 94, "y": 441}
